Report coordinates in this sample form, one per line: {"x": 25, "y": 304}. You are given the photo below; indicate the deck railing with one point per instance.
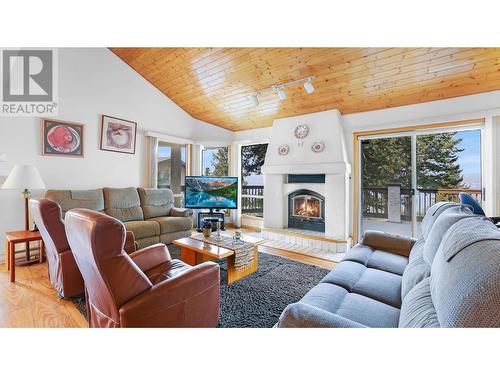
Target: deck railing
{"x": 374, "y": 200}
{"x": 252, "y": 200}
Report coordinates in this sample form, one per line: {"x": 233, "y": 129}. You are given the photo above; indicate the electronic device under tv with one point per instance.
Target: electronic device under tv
{"x": 209, "y": 192}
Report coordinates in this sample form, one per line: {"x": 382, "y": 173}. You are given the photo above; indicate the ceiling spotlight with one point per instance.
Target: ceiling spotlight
{"x": 308, "y": 86}
{"x": 281, "y": 93}
{"x": 255, "y": 100}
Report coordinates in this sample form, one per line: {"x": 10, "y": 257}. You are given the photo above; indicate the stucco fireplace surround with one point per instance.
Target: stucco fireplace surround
{"x": 328, "y": 193}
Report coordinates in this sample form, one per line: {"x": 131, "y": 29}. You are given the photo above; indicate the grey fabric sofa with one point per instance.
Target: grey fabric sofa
{"x": 450, "y": 277}
{"x": 148, "y": 213}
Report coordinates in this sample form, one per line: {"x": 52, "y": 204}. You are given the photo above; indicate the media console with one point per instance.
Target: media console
{"x": 212, "y": 216}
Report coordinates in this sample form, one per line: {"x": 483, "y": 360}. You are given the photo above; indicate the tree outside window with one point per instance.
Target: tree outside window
{"x": 215, "y": 161}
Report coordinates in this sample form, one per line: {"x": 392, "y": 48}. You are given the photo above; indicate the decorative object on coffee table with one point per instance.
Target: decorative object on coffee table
{"x": 25, "y": 177}
{"x": 217, "y": 226}
{"x": 207, "y": 228}
{"x": 118, "y": 135}
{"x": 62, "y": 138}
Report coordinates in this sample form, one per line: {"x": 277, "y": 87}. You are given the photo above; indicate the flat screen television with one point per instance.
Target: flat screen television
{"x": 211, "y": 192}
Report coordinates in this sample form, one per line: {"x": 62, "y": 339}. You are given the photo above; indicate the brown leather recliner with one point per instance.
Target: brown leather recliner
{"x": 63, "y": 271}
{"x": 145, "y": 289}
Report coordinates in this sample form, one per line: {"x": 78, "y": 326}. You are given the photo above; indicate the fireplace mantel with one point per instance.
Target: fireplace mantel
{"x": 308, "y": 168}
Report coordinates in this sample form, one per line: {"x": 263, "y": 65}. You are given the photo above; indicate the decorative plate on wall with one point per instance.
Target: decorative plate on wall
{"x": 301, "y": 131}
{"x": 283, "y": 150}
{"x": 318, "y": 146}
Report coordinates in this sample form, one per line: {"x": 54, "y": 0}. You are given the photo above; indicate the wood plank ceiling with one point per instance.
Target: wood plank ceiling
{"x": 214, "y": 84}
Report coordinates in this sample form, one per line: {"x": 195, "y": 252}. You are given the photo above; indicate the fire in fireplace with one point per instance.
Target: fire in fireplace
{"x": 306, "y": 210}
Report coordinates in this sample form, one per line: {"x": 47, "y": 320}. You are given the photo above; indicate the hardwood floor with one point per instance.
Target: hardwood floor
{"x": 31, "y": 302}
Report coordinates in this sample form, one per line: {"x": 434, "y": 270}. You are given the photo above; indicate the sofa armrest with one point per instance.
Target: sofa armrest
{"x": 150, "y": 256}
{"x": 180, "y": 212}
{"x": 130, "y": 244}
{"x": 301, "y": 315}
{"x": 392, "y": 243}
{"x": 189, "y": 299}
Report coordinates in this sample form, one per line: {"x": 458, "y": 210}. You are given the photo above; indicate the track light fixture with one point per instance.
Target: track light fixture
{"x": 308, "y": 86}
{"x": 280, "y": 89}
{"x": 281, "y": 94}
{"x": 255, "y": 100}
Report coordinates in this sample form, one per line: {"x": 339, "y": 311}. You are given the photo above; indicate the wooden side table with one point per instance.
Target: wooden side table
{"x": 13, "y": 238}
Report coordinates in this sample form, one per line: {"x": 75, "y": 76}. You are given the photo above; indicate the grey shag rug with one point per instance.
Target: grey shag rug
{"x": 258, "y": 300}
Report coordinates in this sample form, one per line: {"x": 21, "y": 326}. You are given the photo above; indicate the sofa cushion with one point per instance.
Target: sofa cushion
{"x": 307, "y": 316}
{"x": 417, "y": 250}
{"x": 69, "y": 199}
{"x": 415, "y": 272}
{"x": 156, "y": 202}
{"x": 143, "y": 229}
{"x": 169, "y": 224}
{"x": 432, "y": 214}
{"x": 356, "y": 278}
{"x": 123, "y": 204}
{"x": 354, "y": 307}
{"x": 368, "y": 312}
{"x": 442, "y": 223}
{"x": 377, "y": 259}
{"x": 465, "y": 275}
{"x": 417, "y": 310}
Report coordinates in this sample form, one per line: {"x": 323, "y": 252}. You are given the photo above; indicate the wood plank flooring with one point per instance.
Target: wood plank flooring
{"x": 31, "y": 302}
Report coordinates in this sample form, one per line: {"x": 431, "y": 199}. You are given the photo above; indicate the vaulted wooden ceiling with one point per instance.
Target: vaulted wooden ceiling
{"x": 214, "y": 84}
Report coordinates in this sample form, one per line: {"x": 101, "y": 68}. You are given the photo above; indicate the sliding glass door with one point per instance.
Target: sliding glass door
{"x": 402, "y": 175}
{"x": 386, "y": 176}
{"x": 447, "y": 163}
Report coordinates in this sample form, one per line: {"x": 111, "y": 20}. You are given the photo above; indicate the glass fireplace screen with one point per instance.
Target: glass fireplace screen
{"x": 307, "y": 206}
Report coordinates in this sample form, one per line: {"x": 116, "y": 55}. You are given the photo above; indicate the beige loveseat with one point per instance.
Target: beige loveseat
{"x": 148, "y": 213}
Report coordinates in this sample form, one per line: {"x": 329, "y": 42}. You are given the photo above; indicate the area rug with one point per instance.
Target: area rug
{"x": 258, "y": 300}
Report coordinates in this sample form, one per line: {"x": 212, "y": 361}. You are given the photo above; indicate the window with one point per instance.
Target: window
{"x": 172, "y": 169}
{"x": 215, "y": 161}
{"x": 252, "y": 180}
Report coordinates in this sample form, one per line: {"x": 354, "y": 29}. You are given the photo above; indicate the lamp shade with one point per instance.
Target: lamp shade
{"x": 24, "y": 177}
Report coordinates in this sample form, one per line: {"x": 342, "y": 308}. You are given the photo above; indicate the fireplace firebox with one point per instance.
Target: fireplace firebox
{"x": 306, "y": 210}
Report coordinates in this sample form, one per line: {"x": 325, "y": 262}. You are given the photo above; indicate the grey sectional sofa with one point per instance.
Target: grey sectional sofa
{"x": 148, "y": 213}
{"x": 450, "y": 277}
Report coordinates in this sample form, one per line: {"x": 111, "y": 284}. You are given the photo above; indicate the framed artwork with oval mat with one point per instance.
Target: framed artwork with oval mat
{"x": 62, "y": 138}
{"x": 118, "y": 135}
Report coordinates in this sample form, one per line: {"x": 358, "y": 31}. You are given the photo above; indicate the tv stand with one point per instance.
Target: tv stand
{"x": 212, "y": 216}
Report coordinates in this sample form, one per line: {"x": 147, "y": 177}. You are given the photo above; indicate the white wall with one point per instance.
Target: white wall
{"x": 94, "y": 82}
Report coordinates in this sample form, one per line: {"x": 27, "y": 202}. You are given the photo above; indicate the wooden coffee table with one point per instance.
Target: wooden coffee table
{"x": 194, "y": 252}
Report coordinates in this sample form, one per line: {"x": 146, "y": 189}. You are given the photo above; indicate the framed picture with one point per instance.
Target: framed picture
{"x": 118, "y": 135}
{"x": 62, "y": 138}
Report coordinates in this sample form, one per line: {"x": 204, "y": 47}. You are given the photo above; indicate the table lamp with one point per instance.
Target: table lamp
{"x": 24, "y": 177}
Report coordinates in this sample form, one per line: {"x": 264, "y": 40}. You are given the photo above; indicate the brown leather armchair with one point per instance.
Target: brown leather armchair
{"x": 63, "y": 271}
{"x": 145, "y": 289}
